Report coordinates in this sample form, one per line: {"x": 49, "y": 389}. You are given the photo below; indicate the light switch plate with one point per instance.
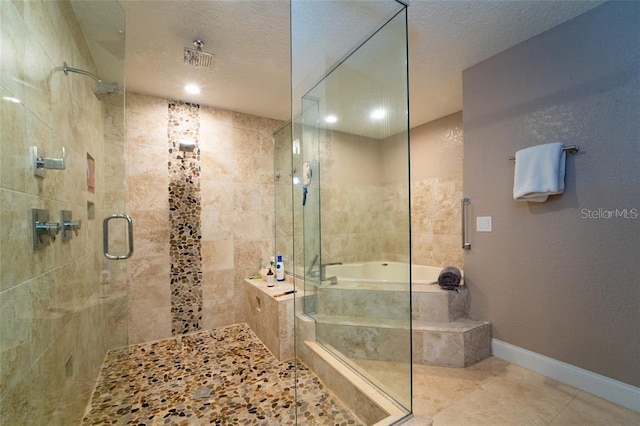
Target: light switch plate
{"x": 483, "y": 224}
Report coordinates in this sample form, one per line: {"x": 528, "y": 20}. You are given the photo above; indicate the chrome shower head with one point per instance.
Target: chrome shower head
{"x": 102, "y": 90}
{"x": 187, "y": 145}
{"x": 197, "y": 57}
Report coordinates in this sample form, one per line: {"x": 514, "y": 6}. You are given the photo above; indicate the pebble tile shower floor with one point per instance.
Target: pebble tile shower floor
{"x": 224, "y": 376}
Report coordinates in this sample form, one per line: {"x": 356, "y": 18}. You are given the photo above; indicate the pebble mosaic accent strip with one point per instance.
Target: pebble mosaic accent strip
{"x": 224, "y": 376}
{"x": 184, "y": 218}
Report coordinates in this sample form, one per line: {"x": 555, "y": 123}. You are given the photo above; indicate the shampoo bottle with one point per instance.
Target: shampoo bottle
{"x": 279, "y": 269}
{"x": 270, "y": 282}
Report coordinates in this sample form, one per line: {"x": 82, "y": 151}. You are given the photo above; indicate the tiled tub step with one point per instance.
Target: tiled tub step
{"x": 428, "y": 302}
{"x": 457, "y": 343}
{"x": 460, "y": 343}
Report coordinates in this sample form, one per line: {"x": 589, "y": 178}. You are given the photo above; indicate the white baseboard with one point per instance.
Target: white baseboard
{"x": 612, "y": 390}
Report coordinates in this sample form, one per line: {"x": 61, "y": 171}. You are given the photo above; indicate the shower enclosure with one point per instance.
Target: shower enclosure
{"x": 62, "y": 303}
{"x": 349, "y": 148}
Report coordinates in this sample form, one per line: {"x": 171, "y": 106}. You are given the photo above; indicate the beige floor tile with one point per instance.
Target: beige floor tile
{"x": 542, "y": 397}
{"x": 587, "y": 409}
{"x": 434, "y": 393}
{"x": 526, "y": 377}
{"x": 436, "y": 388}
{"x": 495, "y": 392}
{"x": 477, "y": 373}
{"x": 481, "y": 408}
{"x": 492, "y": 365}
{"x": 418, "y": 421}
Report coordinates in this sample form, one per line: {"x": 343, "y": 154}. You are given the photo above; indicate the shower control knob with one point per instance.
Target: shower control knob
{"x": 47, "y": 231}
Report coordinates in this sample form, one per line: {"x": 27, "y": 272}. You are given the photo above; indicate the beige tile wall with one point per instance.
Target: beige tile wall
{"x": 271, "y": 318}
{"x": 54, "y": 327}
{"x": 394, "y": 200}
{"x": 147, "y": 200}
{"x": 351, "y": 198}
{"x": 236, "y": 189}
{"x": 436, "y": 191}
{"x": 237, "y": 205}
{"x": 284, "y": 235}
{"x": 364, "y": 196}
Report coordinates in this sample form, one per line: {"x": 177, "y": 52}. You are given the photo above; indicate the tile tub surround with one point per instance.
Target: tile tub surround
{"x": 374, "y": 196}
{"x": 364, "y": 209}
{"x": 436, "y": 190}
{"x": 221, "y": 376}
{"x": 185, "y": 208}
{"x": 371, "y": 321}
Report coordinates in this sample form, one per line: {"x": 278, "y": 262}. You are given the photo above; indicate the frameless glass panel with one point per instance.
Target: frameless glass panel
{"x": 61, "y": 307}
{"x": 353, "y": 130}
{"x": 310, "y": 205}
{"x": 284, "y": 178}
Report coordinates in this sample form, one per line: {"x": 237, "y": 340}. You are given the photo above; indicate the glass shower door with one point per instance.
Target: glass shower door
{"x": 61, "y": 306}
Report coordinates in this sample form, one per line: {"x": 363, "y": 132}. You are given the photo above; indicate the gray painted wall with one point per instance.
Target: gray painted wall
{"x": 549, "y": 279}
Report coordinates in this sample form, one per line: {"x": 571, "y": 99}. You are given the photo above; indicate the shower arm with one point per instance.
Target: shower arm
{"x": 67, "y": 69}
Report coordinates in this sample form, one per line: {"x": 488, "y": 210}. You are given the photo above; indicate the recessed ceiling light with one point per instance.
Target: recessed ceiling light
{"x": 11, "y": 99}
{"x": 331, "y": 119}
{"x": 192, "y": 89}
{"x": 378, "y": 114}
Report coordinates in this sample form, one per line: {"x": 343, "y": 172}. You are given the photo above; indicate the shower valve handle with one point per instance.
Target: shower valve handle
{"x": 73, "y": 225}
{"x": 52, "y": 163}
{"x": 47, "y": 231}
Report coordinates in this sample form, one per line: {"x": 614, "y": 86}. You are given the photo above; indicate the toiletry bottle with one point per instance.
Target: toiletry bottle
{"x": 270, "y": 280}
{"x": 280, "y": 269}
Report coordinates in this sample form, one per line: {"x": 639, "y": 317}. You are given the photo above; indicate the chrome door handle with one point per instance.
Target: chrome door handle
{"x": 105, "y": 236}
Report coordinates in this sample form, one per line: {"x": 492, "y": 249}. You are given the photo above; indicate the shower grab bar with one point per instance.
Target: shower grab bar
{"x": 105, "y": 236}
{"x": 465, "y": 244}
{"x": 571, "y": 149}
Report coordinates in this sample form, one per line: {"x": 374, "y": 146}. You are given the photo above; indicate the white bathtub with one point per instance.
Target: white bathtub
{"x": 383, "y": 272}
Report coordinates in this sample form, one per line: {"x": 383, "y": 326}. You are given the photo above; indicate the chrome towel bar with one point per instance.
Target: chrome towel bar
{"x": 571, "y": 149}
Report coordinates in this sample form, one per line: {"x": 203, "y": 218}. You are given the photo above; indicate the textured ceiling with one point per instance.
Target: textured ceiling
{"x": 250, "y": 39}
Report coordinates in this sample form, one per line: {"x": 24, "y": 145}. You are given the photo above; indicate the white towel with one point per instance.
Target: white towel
{"x": 539, "y": 172}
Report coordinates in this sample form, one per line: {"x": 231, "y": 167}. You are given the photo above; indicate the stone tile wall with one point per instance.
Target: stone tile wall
{"x": 185, "y": 209}
{"x": 436, "y": 191}
{"x": 55, "y": 324}
{"x": 364, "y": 196}
{"x": 236, "y": 216}
{"x": 284, "y": 230}
{"x": 351, "y": 197}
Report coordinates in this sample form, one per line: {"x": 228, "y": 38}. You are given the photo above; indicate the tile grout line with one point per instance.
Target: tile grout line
{"x": 564, "y": 408}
